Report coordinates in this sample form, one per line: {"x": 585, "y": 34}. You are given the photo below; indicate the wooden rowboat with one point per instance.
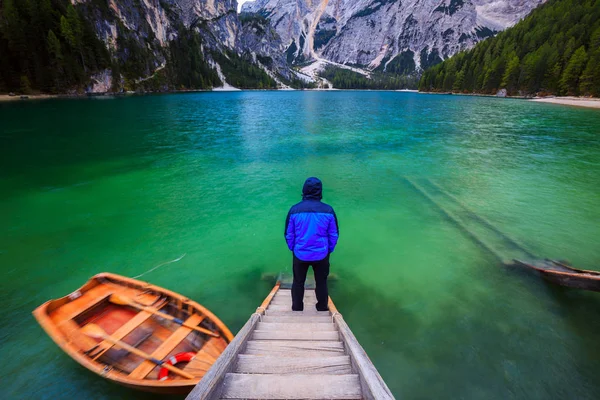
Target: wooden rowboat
{"x": 562, "y": 274}
{"x": 126, "y": 313}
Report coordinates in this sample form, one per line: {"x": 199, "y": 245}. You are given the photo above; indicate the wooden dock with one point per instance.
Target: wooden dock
{"x": 285, "y": 354}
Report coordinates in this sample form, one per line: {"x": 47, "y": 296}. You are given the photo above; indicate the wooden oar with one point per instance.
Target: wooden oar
{"x": 125, "y": 301}
{"x": 93, "y": 330}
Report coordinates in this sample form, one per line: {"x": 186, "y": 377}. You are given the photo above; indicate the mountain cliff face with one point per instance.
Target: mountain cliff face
{"x": 393, "y": 35}
{"x": 154, "y": 33}
{"x": 113, "y": 45}
{"x": 158, "y": 21}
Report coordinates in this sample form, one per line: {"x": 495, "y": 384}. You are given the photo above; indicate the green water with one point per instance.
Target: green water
{"x": 123, "y": 185}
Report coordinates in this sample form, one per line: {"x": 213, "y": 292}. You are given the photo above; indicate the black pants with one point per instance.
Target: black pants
{"x": 321, "y": 270}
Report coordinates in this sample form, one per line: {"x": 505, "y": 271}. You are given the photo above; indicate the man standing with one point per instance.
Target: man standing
{"x": 311, "y": 233}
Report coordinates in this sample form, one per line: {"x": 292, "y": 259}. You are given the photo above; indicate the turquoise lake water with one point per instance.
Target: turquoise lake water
{"x": 125, "y": 184}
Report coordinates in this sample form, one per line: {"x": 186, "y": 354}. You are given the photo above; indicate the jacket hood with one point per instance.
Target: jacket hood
{"x": 312, "y": 190}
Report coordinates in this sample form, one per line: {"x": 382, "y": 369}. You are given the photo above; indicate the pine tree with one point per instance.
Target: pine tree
{"x": 25, "y": 85}
{"x": 67, "y": 31}
{"x": 590, "y": 78}
{"x": 75, "y": 25}
{"x": 56, "y": 61}
{"x": 54, "y": 46}
{"x": 510, "y": 79}
{"x": 569, "y": 82}
{"x": 460, "y": 81}
{"x": 551, "y": 50}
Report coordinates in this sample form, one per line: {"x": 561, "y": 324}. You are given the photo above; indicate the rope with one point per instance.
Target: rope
{"x": 160, "y": 265}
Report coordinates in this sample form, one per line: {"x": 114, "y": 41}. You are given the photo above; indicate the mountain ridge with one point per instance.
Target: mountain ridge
{"x": 159, "y": 45}
{"x": 147, "y": 45}
{"x": 372, "y": 33}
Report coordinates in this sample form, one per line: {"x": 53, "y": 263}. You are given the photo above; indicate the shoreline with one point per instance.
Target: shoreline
{"x": 41, "y": 96}
{"x": 20, "y": 97}
{"x": 581, "y": 102}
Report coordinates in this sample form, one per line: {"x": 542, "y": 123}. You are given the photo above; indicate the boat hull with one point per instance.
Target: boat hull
{"x": 63, "y": 319}
{"x": 562, "y": 274}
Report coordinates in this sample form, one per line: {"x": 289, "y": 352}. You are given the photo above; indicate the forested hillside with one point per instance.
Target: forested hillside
{"x": 555, "y": 50}
{"x": 54, "y": 46}
{"x": 46, "y": 45}
{"x": 345, "y": 79}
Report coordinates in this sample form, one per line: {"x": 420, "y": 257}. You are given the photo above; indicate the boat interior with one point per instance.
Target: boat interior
{"x": 130, "y": 323}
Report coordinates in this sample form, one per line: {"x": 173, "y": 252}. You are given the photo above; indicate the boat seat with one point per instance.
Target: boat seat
{"x": 200, "y": 364}
{"x": 120, "y": 333}
{"x": 166, "y": 347}
{"x": 72, "y": 333}
{"x": 113, "y": 356}
{"x": 214, "y": 347}
{"x": 84, "y": 302}
{"x": 90, "y": 298}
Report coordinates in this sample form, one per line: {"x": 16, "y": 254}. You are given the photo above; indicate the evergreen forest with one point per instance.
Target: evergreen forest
{"x": 347, "y": 79}
{"x": 50, "y": 46}
{"x": 46, "y": 45}
{"x": 553, "y": 51}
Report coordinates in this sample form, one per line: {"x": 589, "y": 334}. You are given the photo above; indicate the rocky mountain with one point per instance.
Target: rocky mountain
{"x": 155, "y": 25}
{"x": 157, "y": 45}
{"x": 110, "y": 45}
{"x": 399, "y": 36}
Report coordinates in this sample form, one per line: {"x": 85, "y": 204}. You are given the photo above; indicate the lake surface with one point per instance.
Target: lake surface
{"x": 123, "y": 185}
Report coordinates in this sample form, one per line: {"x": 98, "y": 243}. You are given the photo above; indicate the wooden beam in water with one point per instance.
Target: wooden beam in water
{"x": 483, "y": 220}
{"x": 457, "y": 221}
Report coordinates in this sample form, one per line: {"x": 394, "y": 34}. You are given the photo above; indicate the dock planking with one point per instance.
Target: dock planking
{"x": 285, "y": 354}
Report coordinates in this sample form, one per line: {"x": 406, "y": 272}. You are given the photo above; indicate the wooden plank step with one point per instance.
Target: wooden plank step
{"x": 288, "y": 295}
{"x": 265, "y": 386}
{"x": 296, "y": 327}
{"x": 311, "y": 312}
{"x": 308, "y": 311}
{"x": 288, "y": 303}
{"x": 288, "y": 307}
{"x": 289, "y": 298}
{"x": 166, "y": 347}
{"x": 253, "y": 364}
{"x": 295, "y": 348}
{"x": 286, "y": 335}
{"x": 300, "y": 318}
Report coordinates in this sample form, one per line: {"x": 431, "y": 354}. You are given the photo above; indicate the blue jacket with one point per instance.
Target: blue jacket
{"x": 311, "y": 227}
